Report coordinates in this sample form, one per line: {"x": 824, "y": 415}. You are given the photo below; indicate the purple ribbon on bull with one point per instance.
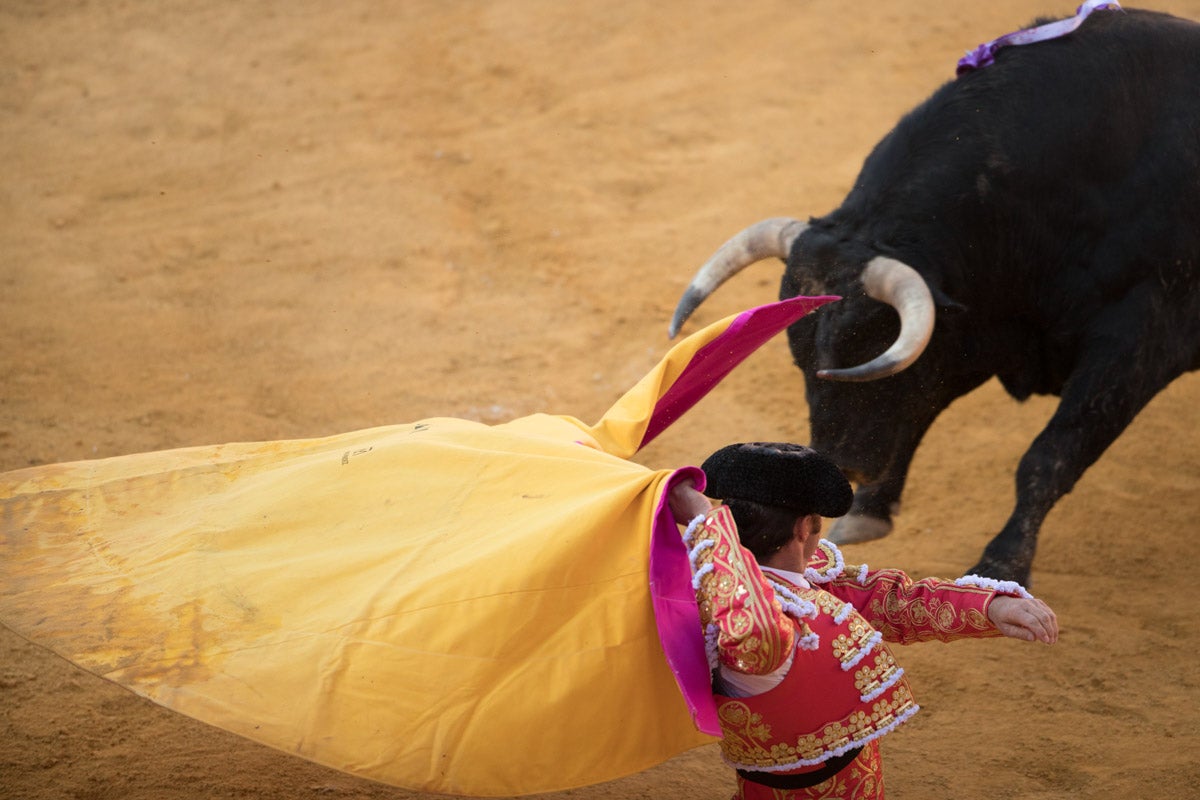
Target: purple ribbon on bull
{"x": 985, "y": 54}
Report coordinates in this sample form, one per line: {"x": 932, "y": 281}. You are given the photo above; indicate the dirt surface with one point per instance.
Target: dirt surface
{"x": 246, "y": 221}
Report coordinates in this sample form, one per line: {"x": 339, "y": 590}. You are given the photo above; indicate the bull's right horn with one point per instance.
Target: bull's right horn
{"x": 771, "y": 237}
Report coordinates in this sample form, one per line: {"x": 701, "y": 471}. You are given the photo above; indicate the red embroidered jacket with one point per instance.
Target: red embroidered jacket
{"x": 843, "y": 688}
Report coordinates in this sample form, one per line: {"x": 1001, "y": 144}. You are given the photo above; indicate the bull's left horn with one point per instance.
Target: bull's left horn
{"x": 771, "y": 237}
{"x": 901, "y": 287}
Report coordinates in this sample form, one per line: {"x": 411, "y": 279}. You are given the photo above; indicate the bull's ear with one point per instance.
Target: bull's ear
{"x": 946, "y": 304}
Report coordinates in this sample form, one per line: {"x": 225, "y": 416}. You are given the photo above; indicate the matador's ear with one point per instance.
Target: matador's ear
{"x": 806, "y": 526}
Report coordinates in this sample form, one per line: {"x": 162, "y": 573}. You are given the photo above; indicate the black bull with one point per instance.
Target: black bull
{"x": 1037, "y": 220}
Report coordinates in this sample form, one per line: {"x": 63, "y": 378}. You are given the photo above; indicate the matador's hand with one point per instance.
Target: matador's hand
{"x": 686, "y": 503}
{"x": 1024, "y": 618}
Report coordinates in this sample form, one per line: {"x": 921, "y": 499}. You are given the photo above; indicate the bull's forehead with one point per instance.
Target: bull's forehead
{"x": 807, "y": 283}
{"x": 813, "y": 276}
{"x": 827, "y": 259}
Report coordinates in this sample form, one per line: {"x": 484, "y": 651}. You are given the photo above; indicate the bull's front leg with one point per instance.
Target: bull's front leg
{"x": 1042, "y": 478}
{"x": 1115, "y": 381}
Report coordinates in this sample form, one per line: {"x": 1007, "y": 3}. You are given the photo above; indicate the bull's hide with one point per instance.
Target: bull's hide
{"x": 447, "y": 606}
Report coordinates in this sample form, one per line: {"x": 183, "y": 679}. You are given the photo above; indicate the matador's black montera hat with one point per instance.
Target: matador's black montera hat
{"x": 789, "y": 476}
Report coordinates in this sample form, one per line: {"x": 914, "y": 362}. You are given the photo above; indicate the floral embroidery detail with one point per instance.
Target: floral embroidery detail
{"x": 750, "y": 724}
{"x": 853, "y": 647}
{"x": 930, "y": 609}
{"x": 831, "y": 605}
{"x": 748, "y": 744}
{"x": 753, "y": 635}
{"x": 878, "y": 676}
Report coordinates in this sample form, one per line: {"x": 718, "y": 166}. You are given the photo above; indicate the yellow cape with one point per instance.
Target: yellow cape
{"x": 446, "y": 606}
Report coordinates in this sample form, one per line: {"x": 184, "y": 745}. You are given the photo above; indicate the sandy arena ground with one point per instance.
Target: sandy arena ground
{"x": 239, "y": 221}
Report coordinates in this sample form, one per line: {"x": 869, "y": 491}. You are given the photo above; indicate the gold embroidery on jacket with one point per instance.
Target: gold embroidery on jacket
{"x": 754, "y": 635}
{"x": 828, "y": 603}
{"x": 876, "y": 673}
{"x": 747, "y": 738}
{"x": 848, "y": 648}
{"x": 909, "y": 613}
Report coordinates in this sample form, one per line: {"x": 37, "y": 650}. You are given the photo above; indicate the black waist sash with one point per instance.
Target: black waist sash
{"x": 802, "y": 780}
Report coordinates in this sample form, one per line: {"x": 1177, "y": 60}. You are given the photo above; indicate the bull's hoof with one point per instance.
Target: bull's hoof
{"x": 1001, "y": 571}
{"x": 856, "y": 529}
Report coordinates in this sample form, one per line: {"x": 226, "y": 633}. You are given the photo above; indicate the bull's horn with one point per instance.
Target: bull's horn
{"x": 771, "y": 237}
{"x": 901, "y": 287}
